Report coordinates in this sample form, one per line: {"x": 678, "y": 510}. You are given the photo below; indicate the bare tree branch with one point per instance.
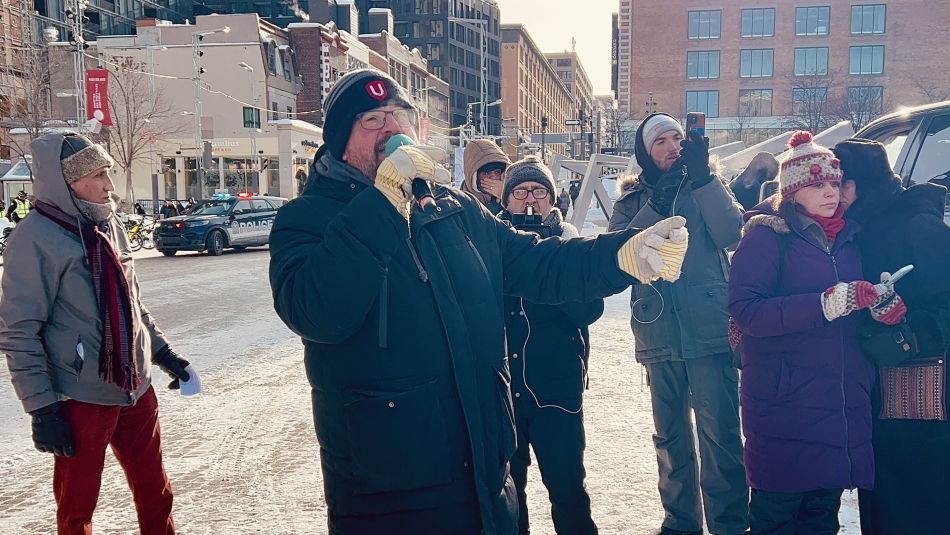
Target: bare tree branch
{"x": 25, "y": 92}
{"x": 141, "y": 117}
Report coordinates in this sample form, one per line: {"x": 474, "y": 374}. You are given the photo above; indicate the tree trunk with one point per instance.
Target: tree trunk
{"x": 129, "y": 191}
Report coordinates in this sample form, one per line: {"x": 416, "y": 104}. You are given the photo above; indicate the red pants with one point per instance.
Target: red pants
{"x": 134, "y": 435}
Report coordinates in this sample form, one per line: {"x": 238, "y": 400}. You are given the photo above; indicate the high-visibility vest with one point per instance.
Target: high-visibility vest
{"x": 22, "y": 208}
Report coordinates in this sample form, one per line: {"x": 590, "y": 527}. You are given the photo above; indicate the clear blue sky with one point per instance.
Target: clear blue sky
{"x": 552, "y": 23}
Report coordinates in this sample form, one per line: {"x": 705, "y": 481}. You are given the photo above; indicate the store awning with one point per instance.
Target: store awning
{"x": 20, "y": 172}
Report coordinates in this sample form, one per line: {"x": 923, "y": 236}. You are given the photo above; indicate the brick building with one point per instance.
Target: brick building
{"x": 766, "y": 65}
{"x": 532, "y": 90}
{"x": 571, "y": 71}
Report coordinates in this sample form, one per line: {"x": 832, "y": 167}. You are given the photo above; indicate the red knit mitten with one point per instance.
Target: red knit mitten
{"x": 846, "y": 297}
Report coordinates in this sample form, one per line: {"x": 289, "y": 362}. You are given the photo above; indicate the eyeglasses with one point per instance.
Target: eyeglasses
{"x": 537, "y": 193}
{"x": 376, "y": 119}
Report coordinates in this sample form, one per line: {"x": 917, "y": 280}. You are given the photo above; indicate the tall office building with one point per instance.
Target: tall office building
{"x": 462, "y": 41}
{"x": 109, "y": 17}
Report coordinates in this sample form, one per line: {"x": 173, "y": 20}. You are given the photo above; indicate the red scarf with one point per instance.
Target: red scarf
{"x": 831, "y": 225}
{"x": 117, "y": 351}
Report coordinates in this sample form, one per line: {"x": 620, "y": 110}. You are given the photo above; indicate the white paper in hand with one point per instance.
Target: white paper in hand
{"x": 191, "y": 387}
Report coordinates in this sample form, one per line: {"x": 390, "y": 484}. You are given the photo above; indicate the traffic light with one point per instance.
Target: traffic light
{"x": 544, "y": 122}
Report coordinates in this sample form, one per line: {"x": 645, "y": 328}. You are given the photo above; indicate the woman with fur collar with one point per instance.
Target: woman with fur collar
{"x": 806, "y": 409}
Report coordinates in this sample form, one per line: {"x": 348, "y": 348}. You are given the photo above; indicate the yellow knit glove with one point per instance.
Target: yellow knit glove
{"x": 656, "y": 252}
{"x": 395, "y": 175}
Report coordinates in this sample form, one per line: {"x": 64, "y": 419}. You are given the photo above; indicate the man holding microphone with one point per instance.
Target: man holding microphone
{"x": 400, "y": 311}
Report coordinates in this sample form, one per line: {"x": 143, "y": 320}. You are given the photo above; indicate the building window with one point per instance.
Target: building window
{"x": 704, "y": 101}
{"x": 702, "y": 65}
{"x": 704, "y": 24}
{"x": 755, "y": 103}
{"x": 811, "y": 61}
{"x": 755, "y": 63}
{"x": 273, "y": 111}
{"x": 867, "y": 60}
{"x": 812, "y": 20}
{"x": 564, "y": 62}
{"x": 808, "y": 98}
{"x": 868, "y": 19}
{"x": 252, "y": 117}
{"x": 401, "y": 29}
{"x": 438, "y": 29}
{"x": 758, "y": 22}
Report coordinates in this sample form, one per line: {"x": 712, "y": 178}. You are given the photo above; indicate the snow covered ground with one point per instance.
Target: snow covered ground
{"x": 243, "y": 457}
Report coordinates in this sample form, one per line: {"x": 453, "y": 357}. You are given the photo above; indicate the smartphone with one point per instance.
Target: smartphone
{"x": 900, "y": 273}
{"x": 696, "y": 122}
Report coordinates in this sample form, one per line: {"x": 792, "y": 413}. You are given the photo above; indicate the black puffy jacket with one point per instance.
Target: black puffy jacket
{"x": 404, "y": 338}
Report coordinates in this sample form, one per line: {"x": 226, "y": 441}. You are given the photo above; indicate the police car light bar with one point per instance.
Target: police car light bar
{"x": 244, "y": 195}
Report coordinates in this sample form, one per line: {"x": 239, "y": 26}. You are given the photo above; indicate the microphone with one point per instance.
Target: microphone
{"x": 420, "y": 188}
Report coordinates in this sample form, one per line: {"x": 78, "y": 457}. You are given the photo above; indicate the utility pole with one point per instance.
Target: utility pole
{"x": 76, "y": 16}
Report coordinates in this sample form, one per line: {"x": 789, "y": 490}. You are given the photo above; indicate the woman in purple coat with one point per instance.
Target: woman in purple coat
{"x": 806, "y": 407}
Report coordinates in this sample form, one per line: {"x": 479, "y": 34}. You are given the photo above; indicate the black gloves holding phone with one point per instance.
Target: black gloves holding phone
{"x": 695, "y": 154}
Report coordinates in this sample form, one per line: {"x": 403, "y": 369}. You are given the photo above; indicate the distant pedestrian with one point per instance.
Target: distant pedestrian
{"x": 20, "y": 207}
{"x": 80, "y": 343}
{"x": 139, "y": 210}
{"x": 169, "y": 210}
{"x": 564, "y": 202}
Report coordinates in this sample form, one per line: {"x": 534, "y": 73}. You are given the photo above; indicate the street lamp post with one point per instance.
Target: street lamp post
{"x": 256, "y": 160}
{"x": 196, "y": 39}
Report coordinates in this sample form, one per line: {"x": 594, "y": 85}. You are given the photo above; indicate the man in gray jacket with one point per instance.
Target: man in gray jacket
{"x": 681, "y": 332}
{"x": 78, "y": 340}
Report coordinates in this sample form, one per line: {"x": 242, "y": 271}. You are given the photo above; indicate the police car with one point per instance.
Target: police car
{"x": 222, "y": 221}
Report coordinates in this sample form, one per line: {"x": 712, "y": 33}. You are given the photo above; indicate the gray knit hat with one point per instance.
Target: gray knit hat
{"x": 80, "y": 156}
{"x": 529, "y": 169}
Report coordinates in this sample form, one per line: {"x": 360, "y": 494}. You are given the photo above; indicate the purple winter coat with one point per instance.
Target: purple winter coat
{"x": 806, "y": 406}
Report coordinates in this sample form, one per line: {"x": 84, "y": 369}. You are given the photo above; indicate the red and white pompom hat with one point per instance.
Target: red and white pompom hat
{"x": 808, "y": 163}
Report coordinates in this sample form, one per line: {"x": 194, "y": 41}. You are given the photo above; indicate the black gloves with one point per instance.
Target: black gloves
{"x": 173, "y": 365}
{"x": 695, "y": 154}
{"x": 51, "y": 432}
{"x": 666, "y": 189}
{"x": 888, "y": 345}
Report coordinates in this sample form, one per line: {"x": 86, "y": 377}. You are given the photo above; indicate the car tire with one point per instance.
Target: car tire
{"x": 215, "y": 243}
{"x": 167, "y": 253}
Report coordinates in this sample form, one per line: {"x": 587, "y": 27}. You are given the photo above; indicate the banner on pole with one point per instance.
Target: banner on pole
{"x": 97, "y": 96}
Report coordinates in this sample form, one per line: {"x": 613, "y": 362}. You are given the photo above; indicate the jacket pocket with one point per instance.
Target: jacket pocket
{"x": 708, "y": 306}
{"x": 649, "y": 317}
{"x": 65, "y": 350}
{"x": 397, "y": 440}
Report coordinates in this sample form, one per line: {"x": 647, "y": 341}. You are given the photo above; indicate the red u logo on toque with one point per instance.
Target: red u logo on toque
{"x": 377, "y": 90}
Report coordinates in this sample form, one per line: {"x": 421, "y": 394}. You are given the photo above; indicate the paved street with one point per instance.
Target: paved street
{"x": 243, "y": 457}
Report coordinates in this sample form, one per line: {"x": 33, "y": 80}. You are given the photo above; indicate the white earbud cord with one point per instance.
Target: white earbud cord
{"x": 524, "y": 369}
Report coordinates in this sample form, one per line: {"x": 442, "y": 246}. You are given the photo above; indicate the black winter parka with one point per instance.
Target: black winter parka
{"x": 403, "y": 335}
